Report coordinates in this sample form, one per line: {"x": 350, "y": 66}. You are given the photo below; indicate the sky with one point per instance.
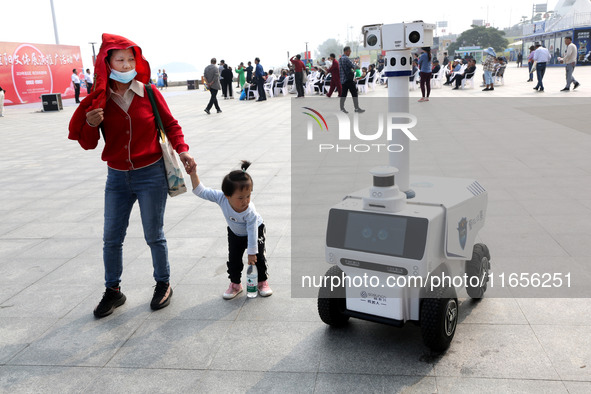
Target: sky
{"x": 193, "y": 31}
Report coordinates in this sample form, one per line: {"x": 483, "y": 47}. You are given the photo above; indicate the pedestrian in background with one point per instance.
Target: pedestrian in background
{"x": 489, "y": 66}
{"x": 88, "y": 79}
{"x": 260, "y": 77}
{"x": 211, "y": 75}
{"x": 165, "y": 78}
{"x": 347, "y": 75}
{"x": 241, "y": 79}
{"x": 228, "y": 80}
{"x": 425, "y": 73}
{"x": 570, "y": 60}
{"x": 541, "y": 58}
{"x": 298, "y": 67}
{"x": 76, "y": 83}
{"x": 530, "y": 63}
{"x": 335, "y": 78}
{"x": 249, "y": 70}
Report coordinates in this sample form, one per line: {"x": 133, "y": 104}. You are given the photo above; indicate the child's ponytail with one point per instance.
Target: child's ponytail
{"x": 245, "y": 165}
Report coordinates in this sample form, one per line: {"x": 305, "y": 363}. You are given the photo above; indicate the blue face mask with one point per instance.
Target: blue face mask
{"x": 125, "y": 77}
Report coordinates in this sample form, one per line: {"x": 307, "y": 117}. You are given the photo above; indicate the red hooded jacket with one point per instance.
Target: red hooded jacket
{"x": 131, "y": 140}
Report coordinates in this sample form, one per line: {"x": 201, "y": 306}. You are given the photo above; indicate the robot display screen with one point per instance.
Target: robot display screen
{"x": 391, "y": 235}
{"x": 383, "y": 234}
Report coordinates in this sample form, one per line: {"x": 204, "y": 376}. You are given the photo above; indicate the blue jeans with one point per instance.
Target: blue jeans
{"x": 147, "y": 185}
{"x": 540, "y": 71}
{"x": 488, "y": 78}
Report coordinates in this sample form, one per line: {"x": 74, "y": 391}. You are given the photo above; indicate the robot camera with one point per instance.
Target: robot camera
{"x": 398, "y": 36}
{"x": 372, "y": 36}
{"x": 418, "y": 34}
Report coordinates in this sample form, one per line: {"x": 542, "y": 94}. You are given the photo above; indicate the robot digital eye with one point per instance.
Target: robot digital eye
{"x": 403, "y": 61}
{"x": 393, "y": 61}
{"x": 372, "y": 40}
{"x": 414, "y": 37}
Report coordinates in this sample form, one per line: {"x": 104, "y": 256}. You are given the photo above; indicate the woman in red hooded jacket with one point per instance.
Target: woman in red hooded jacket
{"x": 119, "y": 107}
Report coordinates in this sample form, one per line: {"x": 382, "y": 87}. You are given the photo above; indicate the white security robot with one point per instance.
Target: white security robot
{"x": 399, "y": 254}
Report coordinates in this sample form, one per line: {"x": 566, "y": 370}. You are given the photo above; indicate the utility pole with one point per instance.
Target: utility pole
{"x": 306, "y": 54}
{"x": 57, "y": 39}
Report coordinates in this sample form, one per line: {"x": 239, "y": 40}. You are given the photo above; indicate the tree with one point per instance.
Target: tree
{"x": 327, "y": 47}
{"x": 481, "y": 36}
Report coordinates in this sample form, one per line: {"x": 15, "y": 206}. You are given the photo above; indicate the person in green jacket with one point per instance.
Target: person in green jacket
{"x": 241, "y": 77}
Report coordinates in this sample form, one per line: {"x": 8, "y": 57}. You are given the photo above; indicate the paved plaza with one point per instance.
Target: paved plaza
{"x": 51, "y": 204}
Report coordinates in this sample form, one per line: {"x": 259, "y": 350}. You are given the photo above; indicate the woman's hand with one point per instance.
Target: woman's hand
{"x": 188, "y": 162}
{"x": 95, "y": 117}
{"x": 252, "y": 259}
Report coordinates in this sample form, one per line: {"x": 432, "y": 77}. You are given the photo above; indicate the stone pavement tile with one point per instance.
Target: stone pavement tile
{"x": 563, "y": 346}
{"x": 556, "y": 224}
{"x": 172, "y": 344}
{"x": 279, "y": 307}
{"x": 255, "y": 382}
{"x": 200, "y": 302}
{"x": 209, "y": 270}
{"x": 368, "y": 383}
{"x": 462, "y": 385}
{"x": 16, "y": 248}
{"x": 575, "y": 244}
{"x": 44, "y": 300}
{"x": 496, "y": 351}
{"x": 17, "y": 333}
{"x": 556, "y": 311}
{"x": 491, "y": 311}
{"x": 56, "y": 248}
{"x": 39, "y": 379}
{"x": 555, "y": 207}
{"x": 578, "y": 387}
{"x": 22, "y": 272}
{"x": 503, "y": 242}
{"x": 82, "y": 341}
{"x": 87, "y": 271}
{"x": 370, "y": 348}
{"x": 128, "y": 380}
{"x": 270, "y": 346}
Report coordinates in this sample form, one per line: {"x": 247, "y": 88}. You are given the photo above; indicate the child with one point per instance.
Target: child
{"x": 245, "y": 227}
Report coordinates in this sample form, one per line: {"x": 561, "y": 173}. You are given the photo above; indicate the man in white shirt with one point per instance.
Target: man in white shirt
{"x": 76, "y": 83}
{"x": 541, "y": 57}
{"x": 570, "y": 60}
{"x": 88, "y": 79}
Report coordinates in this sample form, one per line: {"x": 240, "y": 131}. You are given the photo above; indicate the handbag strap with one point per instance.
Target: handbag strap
{"x": 159, "y": 126}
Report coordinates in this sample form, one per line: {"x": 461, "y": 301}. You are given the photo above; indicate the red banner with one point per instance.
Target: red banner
{"x": 29, "y": 70}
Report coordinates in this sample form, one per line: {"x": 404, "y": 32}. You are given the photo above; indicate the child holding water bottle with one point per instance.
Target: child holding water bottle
{"x": 246, "y": 230}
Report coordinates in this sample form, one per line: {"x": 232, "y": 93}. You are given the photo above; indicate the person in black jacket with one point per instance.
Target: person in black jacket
{"x": 227, "y": 76}
{"x": 468, "y": 73}
{"x": 249, "y": 70}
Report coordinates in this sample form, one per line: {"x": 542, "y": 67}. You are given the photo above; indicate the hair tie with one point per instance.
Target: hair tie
{"x": 243, "y": 170}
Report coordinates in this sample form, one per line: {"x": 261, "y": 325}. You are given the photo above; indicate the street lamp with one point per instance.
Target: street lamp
{"x": 57, "y": 40}
{"x": 93, "y": 54}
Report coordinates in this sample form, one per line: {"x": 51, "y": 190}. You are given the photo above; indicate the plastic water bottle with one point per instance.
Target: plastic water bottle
{"x": 251, "y": 281}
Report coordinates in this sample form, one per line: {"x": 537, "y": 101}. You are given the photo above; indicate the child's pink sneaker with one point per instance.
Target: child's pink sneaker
{"x": 233, "y": 291}
{"x": 264, "y": 289}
